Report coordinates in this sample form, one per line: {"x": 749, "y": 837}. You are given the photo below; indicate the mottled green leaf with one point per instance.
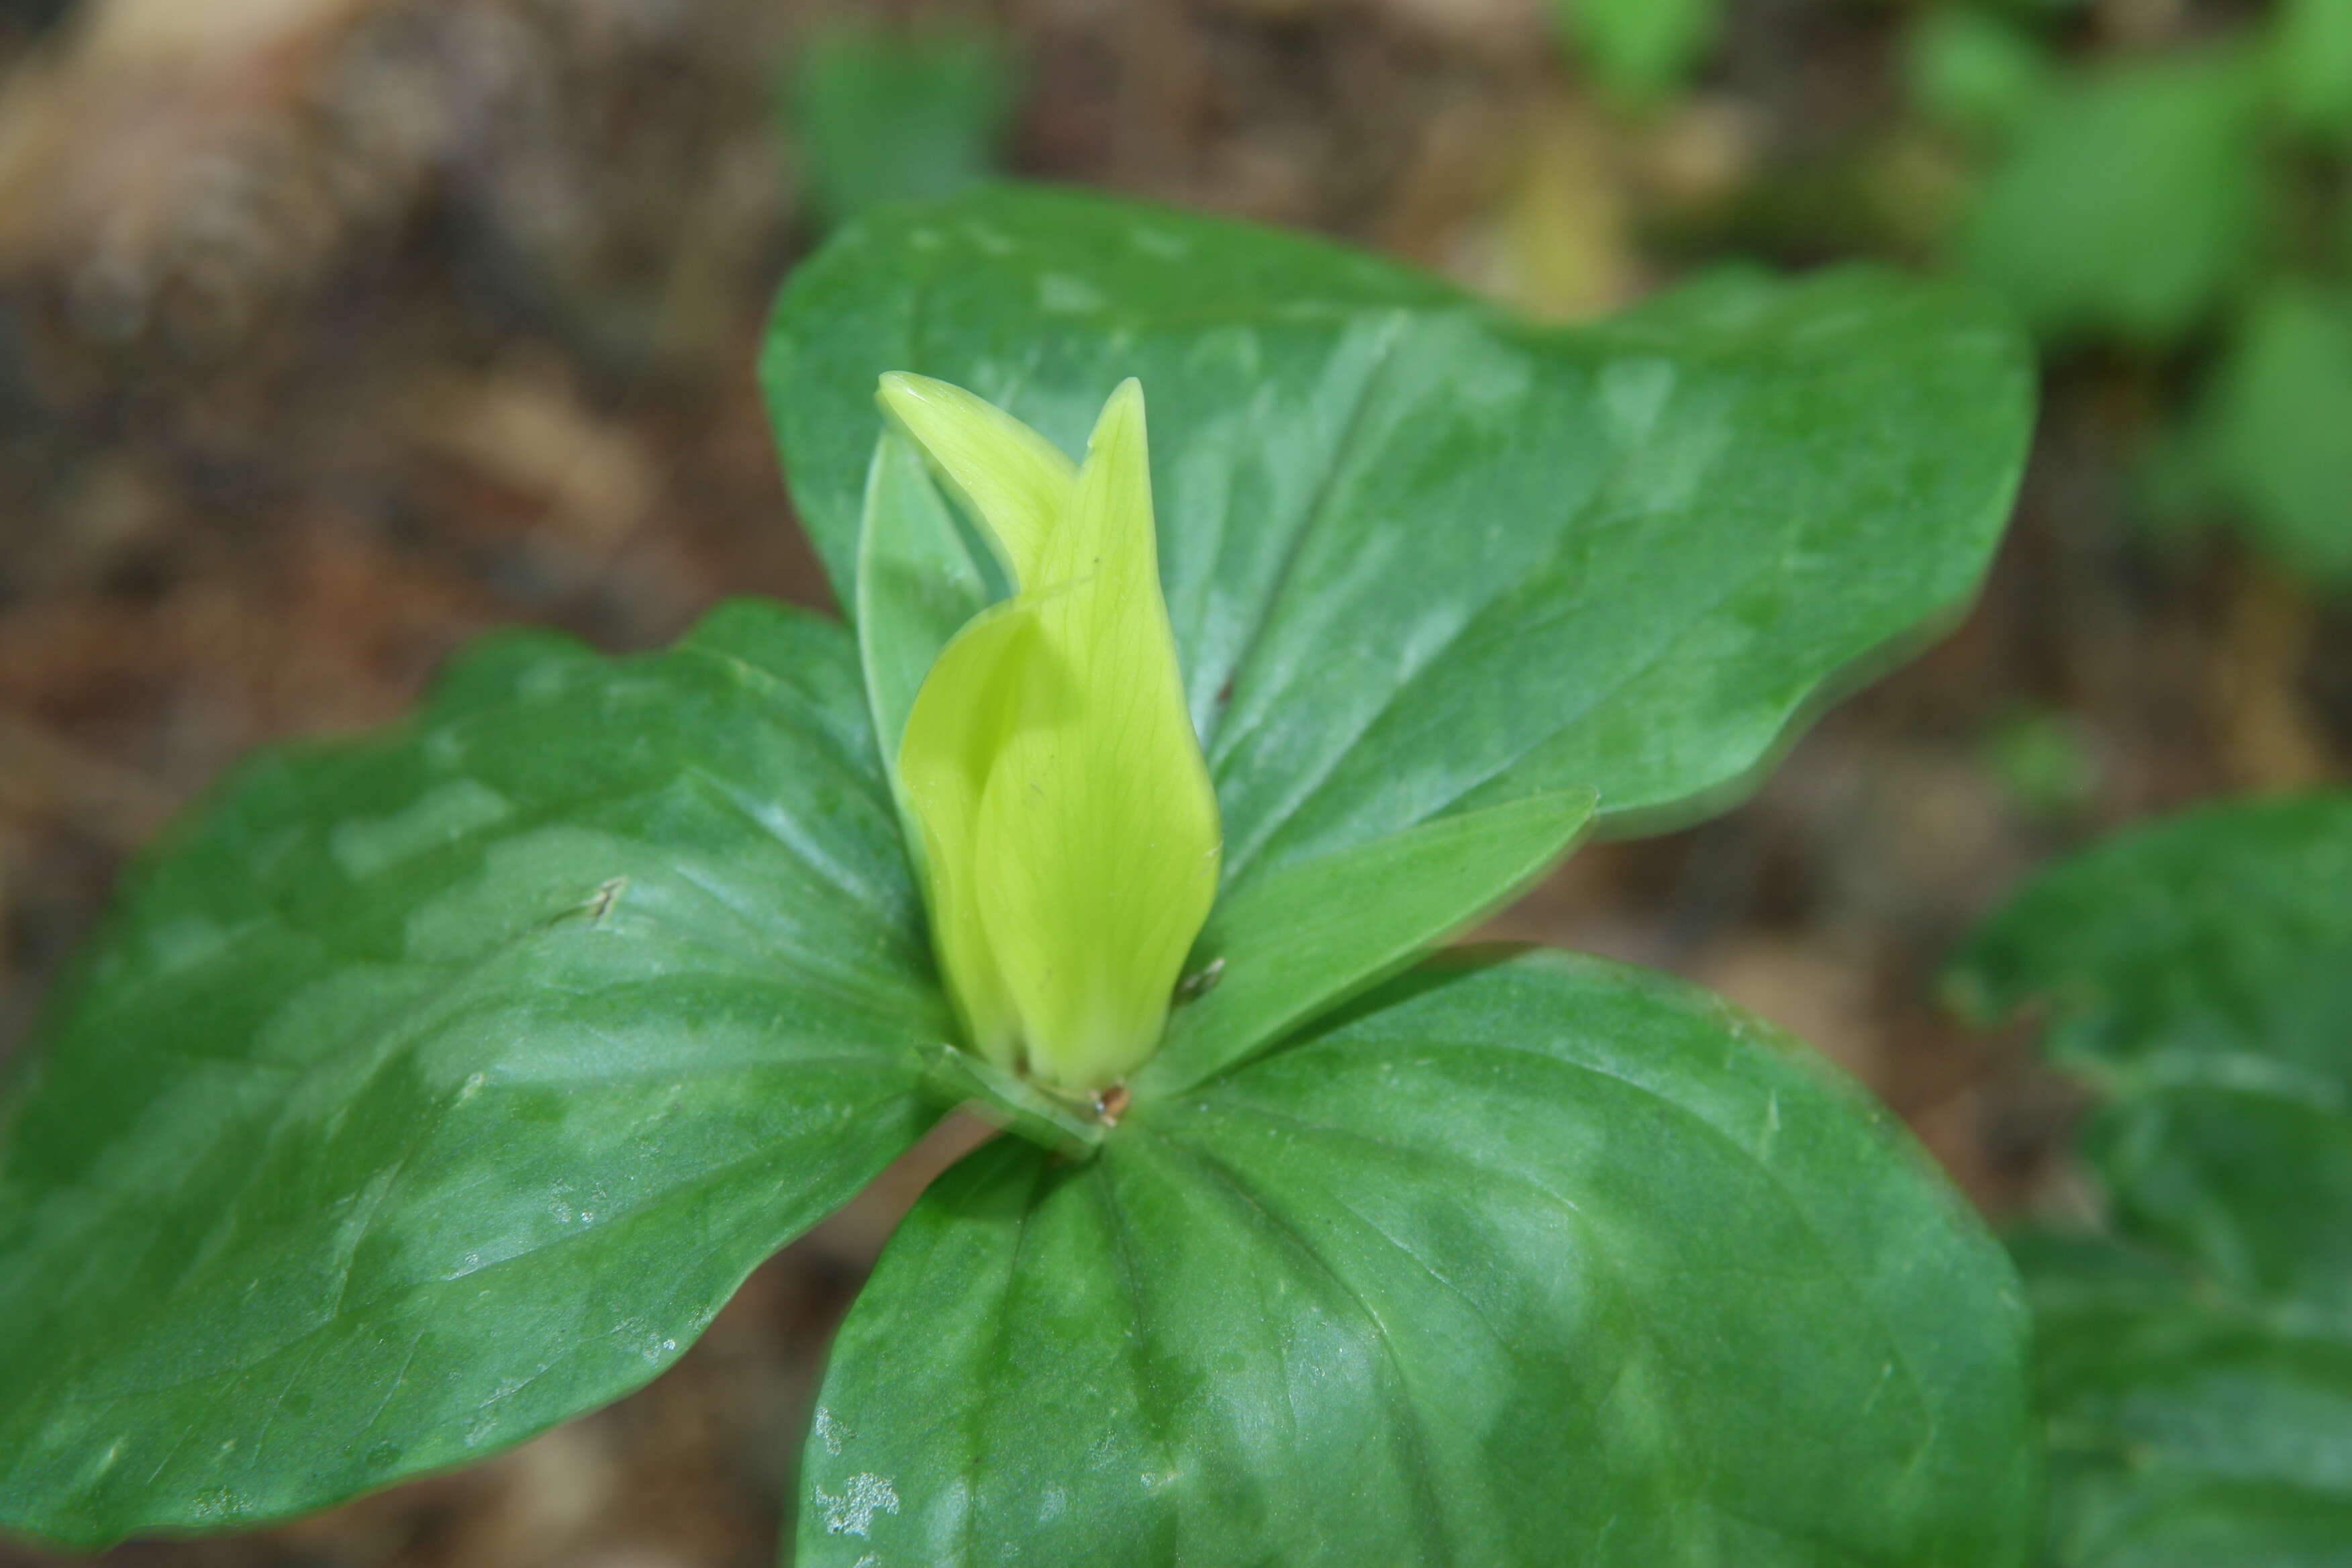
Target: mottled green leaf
{"x": 2199, "y": 976}
{"x": 427, "y": 1090}
{"x": 2188, "y": 1429}
{"x": 1421, "y": 557}
{"x": 2196, "y": 1364}
{"x": 1538, "y": 1261}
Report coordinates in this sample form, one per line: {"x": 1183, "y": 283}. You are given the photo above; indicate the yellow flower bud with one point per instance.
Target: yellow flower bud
{"x": 1068, "y": 835}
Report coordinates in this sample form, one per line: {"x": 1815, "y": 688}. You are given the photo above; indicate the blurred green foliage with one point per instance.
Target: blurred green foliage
{"x": 2129, "y": 200}
{"x": 2174, "y": 194}
{"x": 2044, "y": 762}
{"x": 2191, "y": 206}
{"x": 1975, "y": 71}
{"x": 2272, "y": 437}
{"x": 2312, "y": 64}
{"x": 1641, "y": 50}
{"x": 875, "y": 118}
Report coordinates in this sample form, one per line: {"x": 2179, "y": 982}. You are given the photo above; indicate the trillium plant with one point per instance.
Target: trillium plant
{"x": 427, "y": 1090}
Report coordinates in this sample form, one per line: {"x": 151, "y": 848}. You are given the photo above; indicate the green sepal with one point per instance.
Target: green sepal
{"x": 919, "y": 582}
{"x": 956, "y": 1077}
{"x": 1293, "y": 945}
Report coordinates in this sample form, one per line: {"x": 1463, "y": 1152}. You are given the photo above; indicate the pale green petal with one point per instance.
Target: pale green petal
{"x": 1097, "y": 839}
{"x": 918, "y": 585}
{"x": 1013, "y": 482}
{"x": 959, "y": 723}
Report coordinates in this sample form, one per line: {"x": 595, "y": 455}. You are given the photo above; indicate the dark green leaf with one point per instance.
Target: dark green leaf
{"x": 2130, "y": 201}
{"x": 428, "y": 1091}
{"x": 2198, "y": 1386}
{"x": 2187, "y": 1430}
{"x": 2199, "y": 976}
{"x": 1545, "y": 1261}
{"x": 1420, "y": 557}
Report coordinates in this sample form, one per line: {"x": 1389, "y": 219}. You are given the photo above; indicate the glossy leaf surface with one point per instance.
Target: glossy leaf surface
{"x": 429, "y": 1090}
{"x": 1420, "y": 557}
{"x": 1293, "y": 945}
{"x": 1545, "y": 1260}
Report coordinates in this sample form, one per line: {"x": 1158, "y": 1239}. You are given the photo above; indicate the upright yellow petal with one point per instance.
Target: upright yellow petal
{"x": 1068, "y": 826}
{"x": 959, "y": 723}
{"x": 1012, "y": 481}
{"x": 1099, "y": 835}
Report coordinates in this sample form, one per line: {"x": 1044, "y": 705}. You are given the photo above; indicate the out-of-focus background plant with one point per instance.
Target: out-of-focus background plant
{"x": 334, "y": 332}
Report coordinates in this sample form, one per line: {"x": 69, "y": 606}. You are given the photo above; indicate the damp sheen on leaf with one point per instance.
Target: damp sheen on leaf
{"x": 1055, "y": 794}
{"x": 429, "y": 1088}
